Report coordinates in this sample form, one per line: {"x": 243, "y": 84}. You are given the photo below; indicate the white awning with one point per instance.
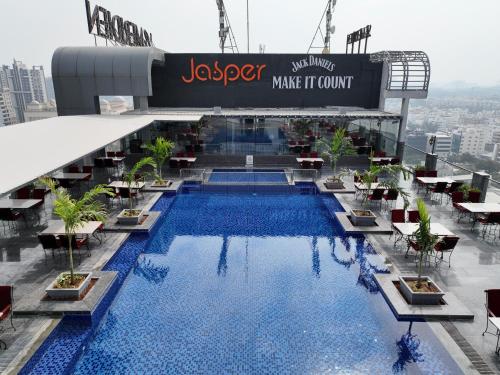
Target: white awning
{"x": 34, "y": 149}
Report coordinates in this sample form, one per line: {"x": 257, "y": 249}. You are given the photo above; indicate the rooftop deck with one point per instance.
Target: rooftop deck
{"x": 475, "y": 265}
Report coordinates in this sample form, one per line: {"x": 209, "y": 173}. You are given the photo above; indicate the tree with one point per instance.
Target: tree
{"x": 424, "y": 238}
{"x": 74, "y": 213}
{"x": 131, "y": 176}
{"x": 339, "y": 146}
{"x": 161, "y": 150}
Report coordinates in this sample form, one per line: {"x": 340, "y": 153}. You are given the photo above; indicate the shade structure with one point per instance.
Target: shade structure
{"x": 34, "y": 149}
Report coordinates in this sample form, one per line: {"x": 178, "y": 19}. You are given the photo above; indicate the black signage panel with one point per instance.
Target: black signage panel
{"x": 266, "y": 81}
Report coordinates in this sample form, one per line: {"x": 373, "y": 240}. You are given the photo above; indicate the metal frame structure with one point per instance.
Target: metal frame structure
{"x": 225, "y": 31}
{"x": 329, "y": 29}
{"x": 407, "y": 70}
{"x": 356, "y": 37}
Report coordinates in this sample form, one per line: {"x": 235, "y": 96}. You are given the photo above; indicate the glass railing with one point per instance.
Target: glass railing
{"x": 192, "y": 174}
{"x": 248, "y": 177}
{"x": 302, "y": 175}
{"x": 493, "y": 194}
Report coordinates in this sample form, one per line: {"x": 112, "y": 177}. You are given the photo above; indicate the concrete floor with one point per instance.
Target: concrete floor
{"x": 475, "y": 266}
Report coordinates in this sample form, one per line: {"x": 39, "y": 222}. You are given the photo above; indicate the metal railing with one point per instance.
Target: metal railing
{"x": 246, "y": 178}
{"x": 298, "y": 175}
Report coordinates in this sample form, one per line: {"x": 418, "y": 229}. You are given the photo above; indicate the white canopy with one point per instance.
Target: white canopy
{"x": 34, "y": 149}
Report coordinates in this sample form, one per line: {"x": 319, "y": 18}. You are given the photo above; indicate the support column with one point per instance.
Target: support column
{"x": 141, "y": 103}
{"x": 481, "y": 180}
{"x": 430, "y": 162}
{"x": 405, "y": 105}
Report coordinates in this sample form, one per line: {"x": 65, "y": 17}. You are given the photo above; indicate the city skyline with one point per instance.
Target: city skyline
{"x": 456, "y": 37}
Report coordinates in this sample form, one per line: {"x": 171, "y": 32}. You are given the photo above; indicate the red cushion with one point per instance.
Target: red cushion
{"x": 5, "y": 312}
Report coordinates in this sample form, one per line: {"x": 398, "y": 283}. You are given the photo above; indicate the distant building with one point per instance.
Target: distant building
{"x": 417, "y": 139}
{"x": 474, "y": 140}
{"x": 26, "y": 85}
{"x": 439, "y": 144}
{"x": 7, "y": 111}
{"x": 495, "y": 136}
{"x": 114, "y": 106}
{"x": 456, "y": 140}
{"x": 40, "y": 111}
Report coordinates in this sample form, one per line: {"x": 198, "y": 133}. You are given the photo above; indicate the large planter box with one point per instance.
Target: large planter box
{"x": 130, "y": 220}
{"x": 420, "y": 298}
{"x": 366, "y": 219}
{"x": 334, "y": 185}
{"x": 69, "y": 293}
{"x": 165, "y": 185}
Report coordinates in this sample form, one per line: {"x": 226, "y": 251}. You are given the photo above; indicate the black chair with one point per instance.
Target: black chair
{"x": 11, "y": 217}
{"x": 446, "y": 245}
{"x": 376, "y": 196}
{"x": 391, "y": 196}
{"x": 99, "y": 163}
{"x": 183, "y": 163}
{"x": 76, "y": 243}
{"x": 439, "y": 188}
{"x": 49, "y": 242}
{"x": 173, "y": 163}
{"x": 317, "y": 164}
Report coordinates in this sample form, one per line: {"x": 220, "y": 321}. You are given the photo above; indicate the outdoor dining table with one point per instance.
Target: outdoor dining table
{"x": 496, "y": 323}
{"x": 361, "y": 187}
{"x": 122, "y": 184}
{"x": 378, "y": 159}
{"x": 409, "y": 229}
{"x": 479, "y": 208}
{"x": 19, "y": 204}
{"x": 188, "y": 159}
{"x": 116, "y": 159}
{"x": 71, "y": 176}
{"x": 90, "y": 228}
{"x": 434, "y": 180}
{"x": 312, "y": 160}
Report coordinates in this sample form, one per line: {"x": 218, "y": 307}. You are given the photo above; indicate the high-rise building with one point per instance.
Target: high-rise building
{"x": 26, "y": 85}
{"x": 474, "y": 139}
{"x": 7, "y": 111}
{"x": 439, "y": 144}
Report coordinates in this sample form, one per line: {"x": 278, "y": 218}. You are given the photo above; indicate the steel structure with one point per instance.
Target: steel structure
{"x": 225, "y": 30}
{"x": 407, "y": 70}
{"x": 329, "y": 28}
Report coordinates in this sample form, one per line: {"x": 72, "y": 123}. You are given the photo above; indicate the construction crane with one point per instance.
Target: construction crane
{"x": 225, "y": 30}
{"x": 329, "y": 29}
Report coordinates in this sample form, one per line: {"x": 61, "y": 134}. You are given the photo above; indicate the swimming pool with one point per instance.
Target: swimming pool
{"x": 254, "y": 284}
{"x": 248, "y": 176}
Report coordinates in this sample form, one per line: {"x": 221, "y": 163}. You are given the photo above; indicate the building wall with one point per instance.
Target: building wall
{"x": 7, "y": 111}
{"x": 474, "y": 140}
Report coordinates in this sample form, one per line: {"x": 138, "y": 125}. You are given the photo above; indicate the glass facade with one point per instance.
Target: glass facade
{"x": 269, "y": 136}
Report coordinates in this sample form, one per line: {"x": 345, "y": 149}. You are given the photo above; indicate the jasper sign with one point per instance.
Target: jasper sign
{"x": 266, "y": 80}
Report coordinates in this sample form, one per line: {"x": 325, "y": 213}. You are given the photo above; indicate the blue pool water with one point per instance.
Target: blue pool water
{"x": 255, "y": 176}
{"x": 255, "y": 284}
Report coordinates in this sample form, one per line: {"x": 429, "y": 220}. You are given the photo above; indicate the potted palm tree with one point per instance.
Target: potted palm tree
{"x": 161, "y": 150}
{"x": 422, "y": 290}
{"x": 339, "y": 146}
{"x": 74, "y": 213}
{"x": 133, "y": 216}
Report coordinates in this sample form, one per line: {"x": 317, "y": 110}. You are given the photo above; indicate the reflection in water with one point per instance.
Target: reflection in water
{"x": 315, "y": 257}
{"x": 222, "y": 266}
{"x": 407, "y": 351}
{"x": 347, "y": 263}
{"x": 150, "y": 271}
{"x": 366, "y": 269}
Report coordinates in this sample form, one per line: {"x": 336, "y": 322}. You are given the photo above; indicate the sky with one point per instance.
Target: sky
{"x": 460, "y": 37}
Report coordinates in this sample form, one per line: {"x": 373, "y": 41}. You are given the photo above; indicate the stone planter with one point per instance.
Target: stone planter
{"x": 130, "y": 220}
{"x": 160, "y": 185}
{"x": 334, "y": 185}
{"x": 69, "y": 293}
{"x": 363, "y": 217}
{"x": 420, "y": 298}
